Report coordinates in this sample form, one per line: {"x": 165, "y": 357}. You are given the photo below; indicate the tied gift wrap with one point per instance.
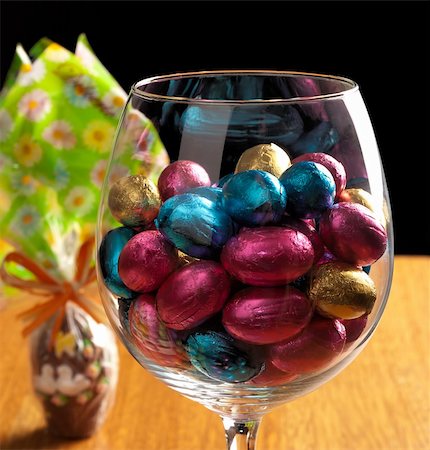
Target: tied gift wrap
{"x": 58, "y": 115}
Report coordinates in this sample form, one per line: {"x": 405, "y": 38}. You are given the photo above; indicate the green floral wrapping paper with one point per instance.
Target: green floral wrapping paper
{"x": 58, "y": 117}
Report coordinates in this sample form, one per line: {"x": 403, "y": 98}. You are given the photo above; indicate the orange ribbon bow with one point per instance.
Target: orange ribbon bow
{"x": 59, "y": 292}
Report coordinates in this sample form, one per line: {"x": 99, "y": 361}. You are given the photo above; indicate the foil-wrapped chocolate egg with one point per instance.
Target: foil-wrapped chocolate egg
{"x": 342, "y": 291}
{"x": 322, "y": 138}
{"x": 195, "y": 225}
{"x": 313, "y": 350}
{"x": 151, "y": 337}
{"x": 146, "y": 261}
{"x": 272, "y": 376}
{"x": 254, "y": 198}
{"x": 310, "y": 189}
{"x": 309, "y": 231}
{"x": 268, "y": 157}
{"x": 267, "y": 256}
{"x": 331, "y": 164}
{"x": 224, "y": 180}
{"x": 110, "y": 249}
{"x": 134, "y": 201}
{"x": 214, "y": 194}
{"x": 354, "y": 328}
{"x": 181, "y": 176}
{"x": 216, "y": 355}
{"x": 353, "y": 233}
{"x": 362, "y": 197}
{"x": 192, "y": 294}
{"x": 266, "y": 315}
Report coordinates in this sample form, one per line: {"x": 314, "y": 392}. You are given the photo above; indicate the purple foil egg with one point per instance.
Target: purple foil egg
{"x": 331, "y": 164}
{"x": 266, "y": 315}
{"x": 314, "y": 349}
{"x": 353, "y": 233}
{"x": 308, "y": 230}
{"x": 354, "y": 328}
{"x": 192, "y": 294}
{"x": 151, "y": 336}
{"x": 181, "y": 176}
{"x": 146, "y": 261}
{"x": 267, "y": 256}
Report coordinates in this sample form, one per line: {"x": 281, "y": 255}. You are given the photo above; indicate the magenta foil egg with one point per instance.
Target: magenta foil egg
{"x": 192, "y": 294}
{"x": 261, "y": 315}
{"x": 315, "y": 348}
{"x": 272, "y": 376}
{"x": 354, "y": 328}
{"x": 353, "y": 233}
{"x": 308, "y": 230}
{"x": 331, "y": 164}
{"x": 151, "y": 336}
{"x": 268, "y": 256}
{"x": 146, "y": 261}
{"x": 181, "y": 176}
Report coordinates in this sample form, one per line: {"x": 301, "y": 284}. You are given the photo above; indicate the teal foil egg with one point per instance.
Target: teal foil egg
{"x": 217, "y": 356}
{"x": 310, "y": 189}
{"x": 195, "y": 225}
{"x": 110, "y": 249}
{"x": 214, "y": 194}
{"x": 254, "y": 198}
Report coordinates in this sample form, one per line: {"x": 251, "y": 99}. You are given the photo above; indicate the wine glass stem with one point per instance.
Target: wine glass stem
{"x": 241, "y": 435}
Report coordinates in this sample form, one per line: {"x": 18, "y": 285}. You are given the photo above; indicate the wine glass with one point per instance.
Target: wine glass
{"x": 257, "y": 265}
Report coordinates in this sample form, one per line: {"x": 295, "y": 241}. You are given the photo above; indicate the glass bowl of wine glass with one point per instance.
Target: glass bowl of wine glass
{"x": 254, "y": 264}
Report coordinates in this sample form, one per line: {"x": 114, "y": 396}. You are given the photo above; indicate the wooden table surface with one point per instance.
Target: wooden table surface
{"x": 381, "y": 401}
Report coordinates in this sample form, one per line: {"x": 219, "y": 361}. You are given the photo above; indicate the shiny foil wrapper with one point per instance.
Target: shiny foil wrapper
{"x": 342, "y": 291}
{"x": 110, "y": 249}
{"x": 354, "y": 328}
{"x": 266, "y": 315}
{"x": 322, "y": 138}
{"x": 134, "y": 201}
{"x": 331, "y": 164}
{"x": 181, "y": 176}
{"x": 254, "y": 198}
{"x": 310, "y": 189}
{"x": 146, "y": 261}
{"x": 195, "y": 225}
{"x": 317, "y": 347}
{"x": 272, "y": 376}
{"x": 267, "y": 157}
{"x": 193, "y": 294}
{"x": 353, "y": 233}
{"x": 362, "y": 197}
{"x": 151, "y": 336}
{"x": 268, "y": 256}
{"x": 216, "y": 355}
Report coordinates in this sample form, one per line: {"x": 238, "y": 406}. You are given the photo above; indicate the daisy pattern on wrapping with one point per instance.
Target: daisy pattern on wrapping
{"x": 35, "y": 105}
{"x": 25, "y": 184}
{"x": 99, "y": 135}
{"x": 99, "y": 172}
{"x": 6, "y": 124}
{"x": 114, "y": 101}
{"x": 27, "y": 152}
{"x": 80, "y": 90}
{"x": 79, "y": 201}
{"x": 29, "y": 73}
{"x": 59, "y": 134}
{"x": 56, "y": 53}
{"x": 27, "y": 220}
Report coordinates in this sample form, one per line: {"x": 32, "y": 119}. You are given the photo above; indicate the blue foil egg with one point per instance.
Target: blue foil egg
{"x": 367, "y": 269}
{"x": 224, "y": 179}
{"x": 310, "y": 189}
{"x": 217, "y": 356}
{"x": 195, "y": 225}
{"x": 214, "y": 194}
{"x": 110, "y": 249}
{"x": 254, "y": 198}
{"x": 320, "y": 139}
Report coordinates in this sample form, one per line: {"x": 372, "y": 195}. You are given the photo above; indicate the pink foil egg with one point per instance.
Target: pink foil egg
{"x": 181, "y": 176}
{"x": 315, "y": 348}
{"x": 354, "y": 328}
{"x": 331, "y": 164}
{"x": 151, "y": 336}
{"x": 309, "y": 231}
{"x": 192, "y": 294}
{"x": 267, "y": 256}
{"x": 272, "y": 376}
{"x": 266, "y": 315}
{"x": 146, "y": 261}
{"x": 353, "y": 233}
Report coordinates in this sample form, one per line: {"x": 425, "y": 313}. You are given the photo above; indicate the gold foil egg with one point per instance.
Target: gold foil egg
{"x": 362, "y": 197}
{"x": 134, "y": 201}
{"x": 268, "y": 157}
{"x": 342, "y": 291}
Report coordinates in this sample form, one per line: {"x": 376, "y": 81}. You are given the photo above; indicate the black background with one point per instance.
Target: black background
{"x": 381, "y": 45}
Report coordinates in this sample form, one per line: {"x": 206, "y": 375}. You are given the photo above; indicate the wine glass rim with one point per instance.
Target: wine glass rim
{"x": 352, "y": 87}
